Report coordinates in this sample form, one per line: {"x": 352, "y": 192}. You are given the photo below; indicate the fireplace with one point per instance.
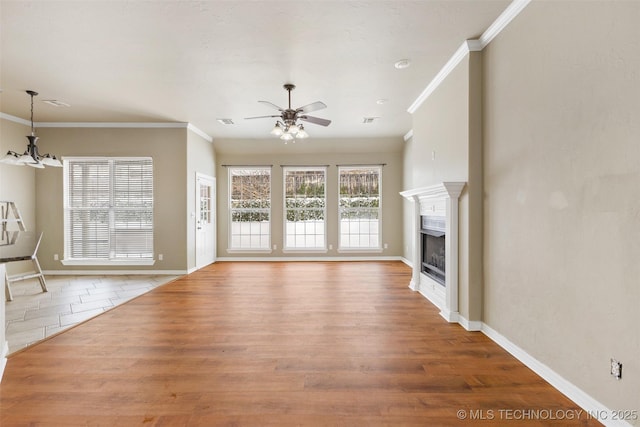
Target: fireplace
{"x": 433, "y": 247}
{"x": 434, "y": 254}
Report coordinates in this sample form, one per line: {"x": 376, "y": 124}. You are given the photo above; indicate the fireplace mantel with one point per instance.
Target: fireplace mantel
{"x": 437, "y": 200}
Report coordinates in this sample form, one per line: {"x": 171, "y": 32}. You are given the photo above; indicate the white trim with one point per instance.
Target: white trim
{"x": 470, "y": 325}
{"x": 451, "y": 64}
{"x": 139, "y": 125}
{"x": 407, "y": 262}
{"x": 249, "y": 251}
{"x": 514, "y": 8}
{"x": 319, "y": 258}
{"x": 107, "y": 262}
{"x": 581, "y": 398}
{"x": 198, "y": 132}
{"x": 305, "y": 251}
{"x": 114, "y": 272}
{"x": 408, "y": 135}
{"x": 15, "y": 119}
{"x": 360, "y": 250}
{"x": 3, "y": 357}
{"x": 161, "y": 125}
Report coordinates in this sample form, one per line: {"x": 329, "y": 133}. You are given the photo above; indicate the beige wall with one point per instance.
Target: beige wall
{"x": 201, "y": 158}
{"x": 446, "y": 146}
{"x": 391, "y": 186}
{"x": 167, "y": 147}
{"x": 562, "y": 182}
{"x": 17, "y": 183}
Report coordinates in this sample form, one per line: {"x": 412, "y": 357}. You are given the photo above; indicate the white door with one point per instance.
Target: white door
{"x": 205, "y": 220}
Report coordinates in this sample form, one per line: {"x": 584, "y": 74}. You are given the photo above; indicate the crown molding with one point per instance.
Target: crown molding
{"x": 112, "y": 125}
{"x": 408, "y": 135}
{"x": 513, "y": 10}
{"x": 451, "y": 64}
{"x": 476, "y": 45}
{"x": 137, "y": 125}
{"x": 15, "y": 119}
{"x": 199, "y": 132}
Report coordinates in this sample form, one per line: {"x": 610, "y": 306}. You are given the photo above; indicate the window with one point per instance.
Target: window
{"x": 304, "y": 204}
{"x": 250, "y": 208}
{"x": 359, "y": 207}
{"x": 108, "y": 210}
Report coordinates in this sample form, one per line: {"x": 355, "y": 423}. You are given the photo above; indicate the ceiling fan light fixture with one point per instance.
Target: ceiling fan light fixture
{"x": 302, "y": 133}
{"x": 277, "y": 130}
{"x": 292, "y": 129}
{"x": 287, "y": 127}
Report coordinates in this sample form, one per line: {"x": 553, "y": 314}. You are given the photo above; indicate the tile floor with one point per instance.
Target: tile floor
{"x": 34, "y": 315}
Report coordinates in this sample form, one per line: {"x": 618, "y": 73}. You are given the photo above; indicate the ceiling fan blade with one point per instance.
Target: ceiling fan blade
{"x": 312, "y": 107}
{"x": 260, "y": 117}
{"x": 272, "y": 105}
{"x": 315, "y": 120}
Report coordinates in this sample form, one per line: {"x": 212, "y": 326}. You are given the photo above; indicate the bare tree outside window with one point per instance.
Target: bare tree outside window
{"x": 359, "y": 207}
{"x": 305, "y": 207}
{"x": 250, "y": 207}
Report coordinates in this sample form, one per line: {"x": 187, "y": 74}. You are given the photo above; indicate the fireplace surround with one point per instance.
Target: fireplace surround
{"x": 435, "y": 214}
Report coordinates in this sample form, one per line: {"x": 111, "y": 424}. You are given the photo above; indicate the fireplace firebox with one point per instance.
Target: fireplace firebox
{"x": 433, "y": 240}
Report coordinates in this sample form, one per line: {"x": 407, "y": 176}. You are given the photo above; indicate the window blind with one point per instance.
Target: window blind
{"x": 109, "y": 208}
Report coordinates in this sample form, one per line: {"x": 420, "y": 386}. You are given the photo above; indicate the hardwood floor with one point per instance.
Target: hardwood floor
{"x": 277, "y": 344}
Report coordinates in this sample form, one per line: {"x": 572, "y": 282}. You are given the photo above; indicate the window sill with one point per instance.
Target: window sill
{"x": 361, "y": 250}
{"x": 249, "y": 251}
{"x": 304, "y": 251}
{"x": 107, "y": 262}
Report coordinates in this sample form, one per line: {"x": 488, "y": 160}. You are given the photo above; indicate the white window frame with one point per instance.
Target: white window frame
{"x": 111, "y": 260}
{"x": 315, "y": 249}
{"x": 230, "y": 247}
{"x": 341, "y": 247}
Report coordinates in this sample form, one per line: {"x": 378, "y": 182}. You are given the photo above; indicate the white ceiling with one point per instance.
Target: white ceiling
{"x": 196, "y": 61}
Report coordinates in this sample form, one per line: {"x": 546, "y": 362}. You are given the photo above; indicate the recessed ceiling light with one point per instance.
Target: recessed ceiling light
{"x": 381, "y": 101}
{"x": 369, "y": 119}
{"x": 225, "y": 121}
{"x": 402, "y": 64}
{"x": 55, "y": 103}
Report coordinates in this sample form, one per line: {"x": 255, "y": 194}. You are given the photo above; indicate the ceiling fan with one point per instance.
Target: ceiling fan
{"x": 287, "y": 128}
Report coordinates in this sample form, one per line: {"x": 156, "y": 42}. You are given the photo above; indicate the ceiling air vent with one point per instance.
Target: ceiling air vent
{"x": 369, "y": 119}
{"x": 225, "y": 121}
{"x": 55, "y": 103}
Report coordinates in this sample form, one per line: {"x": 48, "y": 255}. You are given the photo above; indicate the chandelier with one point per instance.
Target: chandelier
{"x": 31, "y": 156}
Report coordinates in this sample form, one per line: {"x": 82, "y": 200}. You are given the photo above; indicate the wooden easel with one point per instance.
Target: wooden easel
{"x": 9, "y": 214}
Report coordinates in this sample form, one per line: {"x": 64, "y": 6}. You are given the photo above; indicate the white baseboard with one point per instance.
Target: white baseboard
{"x": 591, "y": 406}
{"x": 3, "y": 358}
{"x": 113, "y": 272}
{"x": 303, "y": 258}
{"x": 406, "y": 261}
{"x": 470, "y": 325}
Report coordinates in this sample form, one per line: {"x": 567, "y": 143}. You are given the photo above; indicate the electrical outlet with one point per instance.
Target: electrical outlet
{"x": 56, "y": 257}
{"x": 275, "y": 247}
{"x": 616, "y": 369}
{"x": 160, "y": 257}
{"x": 330, "y": 247}
{"x": 386, "y": 246}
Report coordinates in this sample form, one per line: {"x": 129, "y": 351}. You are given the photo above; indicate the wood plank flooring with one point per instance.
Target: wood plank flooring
{"x": 276, "y": 344}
